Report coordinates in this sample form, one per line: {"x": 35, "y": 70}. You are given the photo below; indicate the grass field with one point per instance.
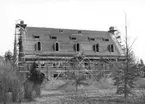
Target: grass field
{"x": 102, "y": 92}
{"x": 63, "y": 92}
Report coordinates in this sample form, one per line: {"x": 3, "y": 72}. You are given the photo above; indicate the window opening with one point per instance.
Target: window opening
{"x": 96, "y": 47}
{"x": 61, "y": 31}
{"x": 38, "y": 46}
{"x": 56, "y": 46}
{"x": 53, "y": 37}
{"x": 77, "y": 47}
{"x": 91, "y": 39}
{"x": 79, "y": 32}
{"x": 36, "y": 36}
{"x": 111, "y": 48}
{"x": 105, "y": 39}
{"x": 72, "y": 38}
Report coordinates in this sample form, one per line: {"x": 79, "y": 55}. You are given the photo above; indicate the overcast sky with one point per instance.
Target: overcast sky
{"x": 75, "y": 14}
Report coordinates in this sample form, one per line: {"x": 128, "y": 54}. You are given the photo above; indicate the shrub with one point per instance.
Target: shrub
{"x": 9, "y": 81}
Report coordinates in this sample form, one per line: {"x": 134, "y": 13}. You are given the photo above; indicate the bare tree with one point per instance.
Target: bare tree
{"x": 127, "y": 71}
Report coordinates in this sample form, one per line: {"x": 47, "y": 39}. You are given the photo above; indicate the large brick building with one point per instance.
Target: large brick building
{"x": 53, "y": 47}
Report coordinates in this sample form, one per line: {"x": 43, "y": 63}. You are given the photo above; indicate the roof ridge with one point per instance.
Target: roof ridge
{"x": 67, "y": 29}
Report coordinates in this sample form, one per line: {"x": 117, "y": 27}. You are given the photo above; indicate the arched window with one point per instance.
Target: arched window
{"x": 38, "y": 46}
{"x": 56, "y": 46}
{"x": 111, "y": 48}
{"x": 96, "y": 47}
{"x": 77, "y": 47}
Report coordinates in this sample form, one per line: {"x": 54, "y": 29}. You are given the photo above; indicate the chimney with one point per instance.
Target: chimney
{"x": 21, "y": 22}
{"x": 112, "y": 30}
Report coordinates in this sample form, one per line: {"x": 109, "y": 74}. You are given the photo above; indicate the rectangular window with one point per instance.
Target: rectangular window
{"x": 36, "y": 36}
{"x": 79, "y": 32}
{"x": 72, "y": 38}
{"x": 105, "y": 39}
{"x": 61, "y": 31}
{"x": 53, "y": 37}
{"x": 91, "y": 39}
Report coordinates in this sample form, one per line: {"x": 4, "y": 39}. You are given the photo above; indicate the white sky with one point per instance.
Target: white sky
{"x": 74, "y": 14}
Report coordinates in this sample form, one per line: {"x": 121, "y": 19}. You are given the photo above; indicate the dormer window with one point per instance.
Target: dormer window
{"x": 36, "y": 36}
{"x": 56, "y": 46}
{"x": 91, "y": 39}
{"x": 105, "y": 39}
{"x": 79, "y": 32}
{"x": 72, "y": 38}
{"x": 53, "y": 37}
{"x": 61, "y": 31}
{"x": 111, "y": 48}
{"x": 77, "y": 47}
{"x": 38, "y": 46}
{"x": 96, "y": 47}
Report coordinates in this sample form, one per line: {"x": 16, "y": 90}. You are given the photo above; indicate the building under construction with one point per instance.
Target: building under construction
{"x": 52, "y": 48}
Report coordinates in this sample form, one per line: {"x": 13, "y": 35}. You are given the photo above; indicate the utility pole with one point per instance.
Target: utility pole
{"x": 127, "y": 61}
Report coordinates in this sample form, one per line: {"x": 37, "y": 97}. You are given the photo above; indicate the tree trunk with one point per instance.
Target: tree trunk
{"x": 37, "y": 89}
{"x": 28, "y": 88}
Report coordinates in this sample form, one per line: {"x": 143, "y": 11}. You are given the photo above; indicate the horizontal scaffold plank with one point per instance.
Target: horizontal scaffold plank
{"x": 70, "y": 56}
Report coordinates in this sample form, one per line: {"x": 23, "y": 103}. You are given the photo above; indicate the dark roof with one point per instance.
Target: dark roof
{"x": 45, "y": 28}
{"x": 63, "y": 35}
{"x": 65, "y": 32}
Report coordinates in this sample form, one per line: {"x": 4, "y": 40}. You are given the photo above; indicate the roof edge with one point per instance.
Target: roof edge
{"x": 71, "y": 29}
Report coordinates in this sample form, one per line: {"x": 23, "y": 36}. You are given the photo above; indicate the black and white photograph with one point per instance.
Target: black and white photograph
{"x": 72, "y": 52}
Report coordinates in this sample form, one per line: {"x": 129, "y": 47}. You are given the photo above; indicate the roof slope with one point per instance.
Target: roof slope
{"x": 66, "y": 45}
